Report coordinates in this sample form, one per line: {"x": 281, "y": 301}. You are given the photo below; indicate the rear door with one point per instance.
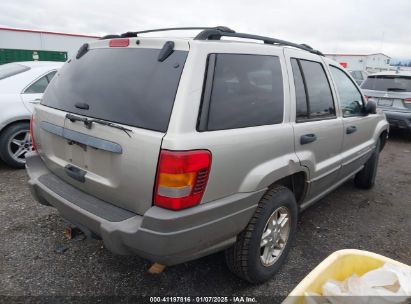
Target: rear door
{"x": 127, "y": 88}
{"x": 359, "y": 129}
{"x": 317, "y": 128}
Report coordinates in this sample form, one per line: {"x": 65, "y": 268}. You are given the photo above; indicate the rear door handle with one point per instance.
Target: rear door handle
{"x": 308, "y": 138}
{"x": 35, "y": 101}
{"x": 351, "y": 129}
{"x": 75, "y": 173}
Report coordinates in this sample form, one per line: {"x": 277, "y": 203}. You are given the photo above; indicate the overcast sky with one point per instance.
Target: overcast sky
{"x": 333, "y": 26}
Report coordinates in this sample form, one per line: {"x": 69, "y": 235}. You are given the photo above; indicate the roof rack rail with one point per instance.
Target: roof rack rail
{"x": 135, "y": 34}
{"x": 218, "y": 32}
{"x": 215, "y": 33}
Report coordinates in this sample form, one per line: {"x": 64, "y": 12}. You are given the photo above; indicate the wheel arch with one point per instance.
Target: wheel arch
{"x": 296, "y": 183}
{"x": 13, "y": 122}
{"x": 381, "y": 132}
{"x": 383, "y": 139}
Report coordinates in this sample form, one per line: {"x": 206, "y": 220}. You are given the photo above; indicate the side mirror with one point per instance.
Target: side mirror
{"x": 370, "y": 107}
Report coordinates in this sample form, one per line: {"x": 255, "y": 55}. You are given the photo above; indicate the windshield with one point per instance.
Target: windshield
{"x": 124, "y": 85}
{"x": 12, "y": 69}
{"x": 388, "y": 83}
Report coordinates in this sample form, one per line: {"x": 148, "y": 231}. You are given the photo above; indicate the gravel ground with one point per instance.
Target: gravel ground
{"x": 376, "y": 220}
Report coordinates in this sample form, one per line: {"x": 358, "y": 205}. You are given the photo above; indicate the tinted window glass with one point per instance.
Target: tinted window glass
{"x": 51, "y": 75}
{"x": 38, "y": 87}
{"x": 350, "y": 98}
{"x": 319, "y": 91}
{"x": 247, "y": 90}
{"x": 301, "y": 99}
{"x": 123, "y": 85}
{"x": 313, "y": 93}
{"x": 393, "y": 83}
{"x": 12, "y": 69}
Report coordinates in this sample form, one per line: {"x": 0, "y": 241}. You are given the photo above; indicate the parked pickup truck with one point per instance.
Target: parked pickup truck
{"x": 172, "y": 148}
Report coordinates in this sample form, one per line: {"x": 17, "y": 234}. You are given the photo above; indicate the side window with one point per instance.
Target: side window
{"x": 50, "y": 76}
{"x": 313, "y": 92}
{"x": 245, "y": 91}
{"x": 40, "y": 85}
{"x": 300, "y": 95}
{"x": 350, "y": 97}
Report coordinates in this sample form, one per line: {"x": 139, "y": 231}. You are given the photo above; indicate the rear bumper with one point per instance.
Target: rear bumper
{"x": 399, "y": 119}
{"x": 160, "y": 235}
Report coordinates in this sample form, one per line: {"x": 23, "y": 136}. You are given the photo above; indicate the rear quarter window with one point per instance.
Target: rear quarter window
{"x": 245, "y": 91}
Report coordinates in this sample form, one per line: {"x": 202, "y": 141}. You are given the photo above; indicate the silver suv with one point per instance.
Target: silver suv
{"x": 173, "y": 149}
{"x": 392, "y": 93}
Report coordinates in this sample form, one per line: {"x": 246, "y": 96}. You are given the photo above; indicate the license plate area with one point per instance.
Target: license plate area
{"x": 385, "y": 102}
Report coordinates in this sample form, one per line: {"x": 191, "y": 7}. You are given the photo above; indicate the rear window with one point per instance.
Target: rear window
{"x": 125, "y": 85}
{"x": 11, "y": 69}
{"x": 393, "y": 83}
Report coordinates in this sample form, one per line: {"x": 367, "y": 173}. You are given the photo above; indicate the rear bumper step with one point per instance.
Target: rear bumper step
{"x": 160, "y": 235}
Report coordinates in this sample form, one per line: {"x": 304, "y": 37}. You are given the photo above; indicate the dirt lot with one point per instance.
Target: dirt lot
{"x": 378, "y": 220}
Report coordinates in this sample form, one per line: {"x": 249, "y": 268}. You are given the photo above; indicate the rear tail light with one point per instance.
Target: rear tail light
{"x": 181, "y": 178}
{"x": 119, "y": 42}
{"x": 407, "y": 100}
{"x": 32, "y": 133}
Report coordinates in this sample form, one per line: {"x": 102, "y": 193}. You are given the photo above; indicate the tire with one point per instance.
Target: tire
{"x": 15, "y": 142}
{"x": 245, "y": 257}
{"x": 365, "y": 179}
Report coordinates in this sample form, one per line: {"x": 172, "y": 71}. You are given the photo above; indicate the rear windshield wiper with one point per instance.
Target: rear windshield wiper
{"x": 110, "y": 124}
{"x": 74, "y": 118}
{"x": 395, "y": 89}
{"x": 88, "y": 123}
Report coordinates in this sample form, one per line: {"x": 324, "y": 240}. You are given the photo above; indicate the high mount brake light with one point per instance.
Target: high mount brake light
{"x": 181, "y": 178}
{"x": 119, "y": 42}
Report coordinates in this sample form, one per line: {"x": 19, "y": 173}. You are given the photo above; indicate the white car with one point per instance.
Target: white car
{"x": 22, "y": 86}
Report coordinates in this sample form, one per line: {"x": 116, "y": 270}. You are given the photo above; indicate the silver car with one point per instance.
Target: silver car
{"x": 175, "y": 148}
{"x": 392, "y": 93}
{"x": 22, "y": 85}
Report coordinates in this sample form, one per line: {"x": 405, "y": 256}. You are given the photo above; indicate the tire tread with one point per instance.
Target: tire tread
{"x": 237, "y": 255}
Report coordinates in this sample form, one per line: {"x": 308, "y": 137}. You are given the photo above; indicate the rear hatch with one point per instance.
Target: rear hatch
{"x": 391, "y": 92}
{"x": 102, "y": 119}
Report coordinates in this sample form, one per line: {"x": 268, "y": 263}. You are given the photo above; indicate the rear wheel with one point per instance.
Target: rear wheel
{"x": 15, "y": 142}
{"x": 365, "y": 179}
{"x": 263, "y": 246}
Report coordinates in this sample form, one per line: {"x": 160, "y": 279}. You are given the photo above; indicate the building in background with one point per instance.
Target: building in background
{"x": 371, "y": 63}
{"x": 28, "y": 45}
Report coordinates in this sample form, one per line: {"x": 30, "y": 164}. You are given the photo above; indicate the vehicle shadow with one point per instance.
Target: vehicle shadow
{"x": 4, "y": 167}
{"x": 399, "y": 135}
